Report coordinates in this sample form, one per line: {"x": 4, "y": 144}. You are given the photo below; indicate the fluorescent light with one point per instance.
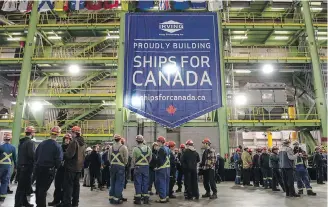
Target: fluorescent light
{"x": 54, "y": 37}
{"x": 114, "y": 32}
{"x": 237, "y": 8}
{"x": 240, "y": 99}
{"x": 315, "y": 3}
{"x": 277, "y": 9}
{"x": 16, "y": 33}
{"x": 322, "y": 38}
{"x": 74, "y": 69}
{"x": 238, "y": 32}
{"x": 50, "y": 32}
{"x": 36, "y": 106}
{"x": 239, "y": 37}
{"x": 281, "y": 32}
{"x": 242, "y": 71}
{"x": 268, "y": 68}
{"x": 13, "y": 102}
{"x": 113, "y": 37}
{"x": 316, "y": 9}
{"x": 321, "y": 33}
{"x": 13, "y": 38}
{"x": 281, "y": 38}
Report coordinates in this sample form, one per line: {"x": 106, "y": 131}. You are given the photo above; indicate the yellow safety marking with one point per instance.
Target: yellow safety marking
{"x": 7, "y": 156}
{"x": 116, "y": 160}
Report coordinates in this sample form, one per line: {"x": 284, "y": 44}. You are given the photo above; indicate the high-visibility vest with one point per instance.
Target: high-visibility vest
{"x": 5, "y": 159}
{"x": 167, "y": 159}
{"x": 116, "y": 157}
{"x": 142, "y": 160}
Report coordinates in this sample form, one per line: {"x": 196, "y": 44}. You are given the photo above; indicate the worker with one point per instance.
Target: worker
{"x": 141, "y": 156}
{"x": 168, "y": 170}
{"x": 265, "y": 168}
{"x": 173, "y": 169}
{"x": 118, "y": 156}
{"x": 318, "y": 165}
{"x": 105, "y": 170}
{"x": 276, "y": 175}
{"x": 286, "y": 164}
{"x": 152, "y": 166}
{"x": 219, "y": 168}
{"x": 59, "y": 178}
{"x": 189, "y": 160}
{"x": 95, "y": 167}
{"x": 179, "y": 168}
{"x": 7, "y": 158}
{"x": 48, "y": 158}
{"x": 247, "y": 164}
{"x": 237, "y": 165}
{"x": 162, "y": 164}
{"x": 256, "y": 167}
{"x": 208, "y": 166}
{"x": 86, "y": 164}
{"x": 74, "y": 163}
{"x": 302, "y": 174}
{"x": 25, "y": 164}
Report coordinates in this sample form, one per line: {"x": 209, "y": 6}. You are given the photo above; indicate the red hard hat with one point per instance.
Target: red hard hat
{"x": 166, "y": 144}
{"x": 122, "y": 140}
{"x": 189, "y": 142}
{"x": 249, "y": 150}
{"x": 206, "y": 141}
{"x": 68, "y": 136}
{"x": 171, "y": 144}
{"x": 76, "y": 129}
{"x": 182, "y": 146}
{"x": 29, "y": 129}
{"x": 161, "y": 139}
{"x": 238, "y": 150}
{"x": 55, "y": 130}
{"x": 264, "y": 148}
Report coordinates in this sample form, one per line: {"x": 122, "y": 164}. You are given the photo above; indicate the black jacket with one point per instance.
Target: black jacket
{"x": 25, "y": 152}
{"x": 95, "y": 162}
{"x": 75, "y": 155}
{"x": 190, "y": 159}
{"x": 264, "y": 160}
{"x": 152, "y": 164}
{"x": 256, "y": 161}
{"x": 317, "y": 160}
{"x": 274, "y": 161}
{"x": 48, "y": 154}
{"x": 220, "y": 163}
{"x": 173, "y": 168}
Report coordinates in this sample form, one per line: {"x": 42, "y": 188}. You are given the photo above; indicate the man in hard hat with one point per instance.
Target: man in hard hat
{"x": 238, "y": 165}
{"x": 141, "y": 156}
{"x": 152, "y": 166}
{"x": 86, "y": 177}
{"x": 189, "y": 160}
{"x": 265, "y": 168}
{"x": 256, "y": 167}
{"x": 59, "y": 178}
{"x": 74, "y": 160}
{"x": 208, "y": 166}
{"x": 173, "y": 170}
{"x": 7, "y": 158}
{"x": 162, "y": 166}
{"x": 286, "y": 164}
{"x": 94, "y": 167}
{"x": 318, "y": 163}
{"x": 276, "y": 175}
{"x": 247, "y": 164}
{"x": 118, "y": 156}
{"x": 179, "y": 168}
{"x": 48, "y": 157}
{"x": 25, "y": 164}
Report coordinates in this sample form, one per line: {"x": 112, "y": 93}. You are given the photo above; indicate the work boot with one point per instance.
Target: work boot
{"x": 2, "y": 199}
{"x": 53, "y": 203}
{"x": 257, "y": 185}
{"x": 321, "y": 183}
{"x": 206, "y": 195}
{"x": 146, "y": 200}
{"x": 167, "y": 199}
{"x": 124, "y": 199}
{"x": 137, "y": 200}
{"x": 214, "y": 196}
{"x": 172, "y": 196}
{"x": 276, "y": 189}
{"x": 178, "y": 191}
{"x": 150, "y": 193}
{"x": 311, "y": 193}
{"x": 300, "y": 192}
{"x": 29, "y": 205}
{"x": 161, "y": 200}
{"x": 9, "y": 191}
{"x": 295, "y": 195}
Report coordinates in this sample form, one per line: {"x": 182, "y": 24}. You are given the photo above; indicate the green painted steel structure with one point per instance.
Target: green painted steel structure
{"x": 25, "y": 75}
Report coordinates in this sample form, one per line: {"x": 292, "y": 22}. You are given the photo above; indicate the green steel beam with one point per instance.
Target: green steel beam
{"x": 271, "y": 60}
{"x": 25, "y": 74}
{"x": 78, "y": 106}
{"x": 119, "y": 115}
{"x": 85, "y": 60}
{"x": 274, "y": 123}
{"x": 268, "y": 36}
{"x": 269, "y": 26}
{"x": 89, "y": 47}
{"x": 222, "y": 112}
{"x": 87, "y": 137}
{"x": 87, "y": 97}
{"x": 295, "y": 37}
{"x": 320, "y": 99}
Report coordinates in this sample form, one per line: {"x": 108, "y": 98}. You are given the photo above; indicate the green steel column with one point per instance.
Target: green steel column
{"x": 25, "y": 74}
{"x": 320, "y": 100}
{"x": 222, "y": 112}
{"x": 119, "y": 115}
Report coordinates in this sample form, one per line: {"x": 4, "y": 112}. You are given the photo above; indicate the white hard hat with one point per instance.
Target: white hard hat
{"x": 88, "y": 149}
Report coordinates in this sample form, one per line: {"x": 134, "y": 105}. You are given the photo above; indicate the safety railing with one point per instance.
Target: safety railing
{"x": 268, "y": 52}
{"x": 11, "y": 52}
{"x": 105, "y": 91}
{"x": 258, "y": 17}
{"x": 272, "y": 113}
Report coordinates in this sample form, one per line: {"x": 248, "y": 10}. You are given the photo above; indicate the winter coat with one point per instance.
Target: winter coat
{"x": 75, "y": 155}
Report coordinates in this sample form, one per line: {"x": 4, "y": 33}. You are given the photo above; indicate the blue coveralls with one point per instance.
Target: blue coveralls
{"x": 117, "y": 176}
{"x": 302, "y": 175}
{"x": 7, "y": 157}
{"x": 141, "y": 174}
{"x": 236, "y": 159}
{"x": 168, "y": 173}
{"x": 161, "y": 177}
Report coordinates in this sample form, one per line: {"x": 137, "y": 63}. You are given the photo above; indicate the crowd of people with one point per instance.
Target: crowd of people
{"x": 160, "y": 166}
{"x": 279, "y": 167}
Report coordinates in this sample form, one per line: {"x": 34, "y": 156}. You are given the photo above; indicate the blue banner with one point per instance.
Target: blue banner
{"x": 172, "y": 66}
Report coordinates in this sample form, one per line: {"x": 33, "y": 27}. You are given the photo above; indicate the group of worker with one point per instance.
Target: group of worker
{"x": 278, "y": 167}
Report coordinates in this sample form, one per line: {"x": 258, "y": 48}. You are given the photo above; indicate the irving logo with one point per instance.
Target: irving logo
{"x": 171, "y": 26}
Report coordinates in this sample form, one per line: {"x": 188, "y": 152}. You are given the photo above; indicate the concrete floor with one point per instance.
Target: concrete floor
{"x": 229, "y": 195}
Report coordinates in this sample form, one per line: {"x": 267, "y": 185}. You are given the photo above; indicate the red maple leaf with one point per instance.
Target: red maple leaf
{"x": 171, "y": 109}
